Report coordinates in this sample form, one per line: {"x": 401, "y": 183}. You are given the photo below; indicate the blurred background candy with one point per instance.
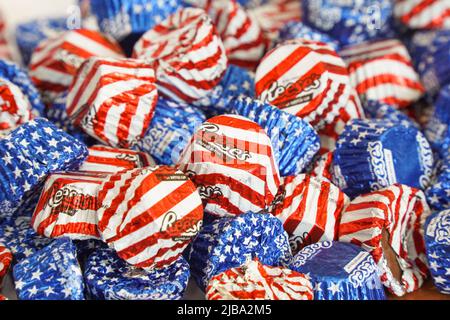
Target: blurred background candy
{"x": 423, "y": 14}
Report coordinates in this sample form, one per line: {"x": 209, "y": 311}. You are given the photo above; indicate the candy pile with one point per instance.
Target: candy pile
{"x": 271, "y": 149}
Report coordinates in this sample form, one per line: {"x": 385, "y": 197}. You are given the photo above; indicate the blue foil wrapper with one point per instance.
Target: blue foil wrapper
{"x": 52, "y": 273}
{"x": 226, "y": 243}
{"x": 15, "y": 74}
{"x": 437, "y": 241}
{"x": 382, "y": 111}
{"x": 340, "y": 271}
{"x": 237, "y": 82}
{"x": 374, "y": 154}
{"x": 108, "y": 277}
{"x": 298, "y": 30}
{"x": 351, "y": 22}
{"x": 294, "y": 141}
{"x": 29, "y": 154}
{"x": 171, "y": 129}
{"x": 438, "y": 194}
{"x": 122, "y": 18}
{"x": 424, "y": 41}
{"x": 30, "y": 34}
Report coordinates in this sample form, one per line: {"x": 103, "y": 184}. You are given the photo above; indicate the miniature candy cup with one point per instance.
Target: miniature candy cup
{"x": 108, "y": 277}
{"x": 15, "y": 109}
{"x": 149, "y": 215}
{"x": 255, "y": 281}
{"x": 15, "y": 74}
{"x": 227, "y": 243}
{"x": 310, "y": 210}
{"x": 423, "y": 14}
{"x": 230, "y": 160}
{"x": 5, "y": 261}
{"x": 389, "y": 224}
{"x": 52, "y": 273}
{"x": 55, "y": 61}
{"x": 68, "y": 206}
{"x": 113, "y": 100}
{"x": 298, "y": 30}
{"x": 386, "y": 112}
{"x": 374, "y": 154}
{"x": 339, "y": 271}
{"x": 112, "y": 160}
{"x": 295, "y": 142}
{"x": 383, "y": 71}
{"x": 437, "y": 240}
{"x": 189, "y": 54}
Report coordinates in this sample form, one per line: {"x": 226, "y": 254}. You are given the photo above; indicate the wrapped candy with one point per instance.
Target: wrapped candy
{"x": 230, "y": 160}
{"x": 423, "y": 14}
{"x": 383, "y": 71}
{"x": 389, "y": 224}
{"x": 113, "y": 160}
{"x": 437, "y": 240}
{"x": 68, "y": 206}
{"x": 230, "y": 242}
{"x": 298, "y": 30}
{"x": 255, "y": 281}
{"x": 5, "y": 52}
{"x": 438, "y": 193}
{"x": 379, "y": 110}
{"x": 149, "y": 215}
{"x": 55, "y": 61}
{"x": 52, "y": 273}
{"x": 323, "y": 166}
{"x": 29, "y": 154}
{"x": 108, "y": 277}
{"x": 340, "y": 271}
{"x": 437, "y": 129}
{"x": 189, "y": 55}
{"x": 374, "y": 154}
{"x": 113, "y": 100}
{"x": 294, "y": 141}
{"x": 5, "y": 261}
{"x": 310, "y": 210}
{"x": 15, "y": 108}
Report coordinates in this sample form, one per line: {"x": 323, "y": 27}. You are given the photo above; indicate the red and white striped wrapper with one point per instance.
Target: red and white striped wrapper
{"x": 189, "y": 54}
{"x": 383, "y": 71}
{"x": 5, "y": 260}
{"x": 149, "y": 216}
{"x": 113, "y": 100}
{"x": 113, "y": 160}
{"x": 55, "y": 61}
{"x": 255, "y": 281}
{"x": 423, "y": 14}
{"x": 322, "y": 168}
{"x": 231, "y": 161}
{"x": 15, "y": 108}
{"x": 68, "y": 206}
{"x": 241, "y": 34}
{"x": 5, "y": 51}
{"x": 401, "y": 211}
{"x": 311, "y": 210}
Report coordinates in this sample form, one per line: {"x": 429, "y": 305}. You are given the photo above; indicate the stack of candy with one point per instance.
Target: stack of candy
{"x": 266, "y": 149}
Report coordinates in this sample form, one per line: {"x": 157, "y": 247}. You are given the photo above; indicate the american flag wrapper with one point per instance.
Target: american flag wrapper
{"x": 113, "y": 100}
{"x": 68, "y": 206}
{"x": 15, "y": 108}
{"x": 108, "y": 277}
{"x": 113, "y": 160}
{"x": 383, "y": 71}
{"x": 241, "y": 34}
{"x": 389, "y": 224}
{"x": 310, "y": 210}
{"x": 5, "y": 260}
{"x": 323, "y": 167}
{"x": 255, "y": 281}
{"x": 190, "y": 56}
{"x": 231, "y": 161}
{"x": 150, "y": 215}
{"x": 423, "y": 14}
{"x": 55, "y": 61}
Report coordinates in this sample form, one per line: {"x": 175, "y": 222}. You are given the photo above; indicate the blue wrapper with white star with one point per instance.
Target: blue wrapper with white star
{"x": 237, "y": 82}
{"x": 374, "y": 154}
{"x": 171, "y": 129}
{"x": 31, "y": 33}
{"x": 108, "y": 277}
{"x": 340, "y": 271}
{"x": 298, "y": 30}
{"x": 437, "y": 241}
{"x": 294, "y": 141}
{"x": 230, "y": 242}
{"x": 425, "y": 41}
{"x": 15, "y": 74}
{"x": 351, "y": 22}
{"x": 438, "y": 193}
{"x": 378, "y": 110}
{"x": 52, "y": 273}
{"x": 29, "y": 154}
